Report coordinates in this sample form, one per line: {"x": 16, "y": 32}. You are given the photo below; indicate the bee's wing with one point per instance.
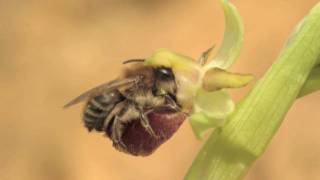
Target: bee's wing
{"x": 100, "y": 89}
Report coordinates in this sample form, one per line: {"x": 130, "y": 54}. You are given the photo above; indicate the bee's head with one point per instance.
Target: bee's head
{"x": 163, "y": 78}
{"x": 164, "y": 81}
{"x": 184, "y": 71}
{"x": 173, "y": 74}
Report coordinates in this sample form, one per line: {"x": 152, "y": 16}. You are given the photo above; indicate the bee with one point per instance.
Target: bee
{"x": 138, "y": 111}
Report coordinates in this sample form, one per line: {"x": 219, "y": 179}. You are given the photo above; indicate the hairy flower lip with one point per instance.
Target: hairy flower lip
{"x": 164, "y": 121}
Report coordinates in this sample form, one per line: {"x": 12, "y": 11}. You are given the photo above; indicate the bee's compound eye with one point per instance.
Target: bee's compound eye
{"x": 164, "y": 73}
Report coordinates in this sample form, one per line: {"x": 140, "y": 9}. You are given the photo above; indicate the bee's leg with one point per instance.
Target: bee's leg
{"x": 146, "y": 125}
{"x": 117, "y": 131}
{"x": 116, "y": 110}
{"x": 172, "y": 103}
{"x": 204, "y": 56}
{"x": 144, "y": 121}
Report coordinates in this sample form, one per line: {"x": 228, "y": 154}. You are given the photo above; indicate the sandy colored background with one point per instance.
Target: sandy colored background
{"x": 50, "y": 51}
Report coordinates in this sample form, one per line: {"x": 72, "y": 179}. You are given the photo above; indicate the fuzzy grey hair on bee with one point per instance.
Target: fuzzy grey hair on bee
{"x": 112, "y": 106}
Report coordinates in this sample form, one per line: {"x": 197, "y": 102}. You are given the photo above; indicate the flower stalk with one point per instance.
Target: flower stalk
{"x": 230, "y": 151}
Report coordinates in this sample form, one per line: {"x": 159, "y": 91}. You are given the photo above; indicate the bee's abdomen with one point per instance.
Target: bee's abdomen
{"x": 98, "y": 109}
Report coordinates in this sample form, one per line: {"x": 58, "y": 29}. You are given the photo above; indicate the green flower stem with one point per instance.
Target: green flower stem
{"x": 229, "y": 152}
{"x": 312, "y": 84}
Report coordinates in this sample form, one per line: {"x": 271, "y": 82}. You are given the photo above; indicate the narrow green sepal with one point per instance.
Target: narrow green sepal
{"x": 232, "y": 40}
{"x": 216, "y": 78}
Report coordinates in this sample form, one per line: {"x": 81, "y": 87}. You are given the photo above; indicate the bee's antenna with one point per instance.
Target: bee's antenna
{"x": 133, "y": 60}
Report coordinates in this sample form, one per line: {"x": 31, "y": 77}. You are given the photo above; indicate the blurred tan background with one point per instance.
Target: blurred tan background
{"x": 50, "y": 51}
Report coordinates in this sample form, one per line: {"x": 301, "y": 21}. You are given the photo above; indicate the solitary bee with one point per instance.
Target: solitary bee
{"x": 146, "y": 106}
{"x": 138, "y": 111}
